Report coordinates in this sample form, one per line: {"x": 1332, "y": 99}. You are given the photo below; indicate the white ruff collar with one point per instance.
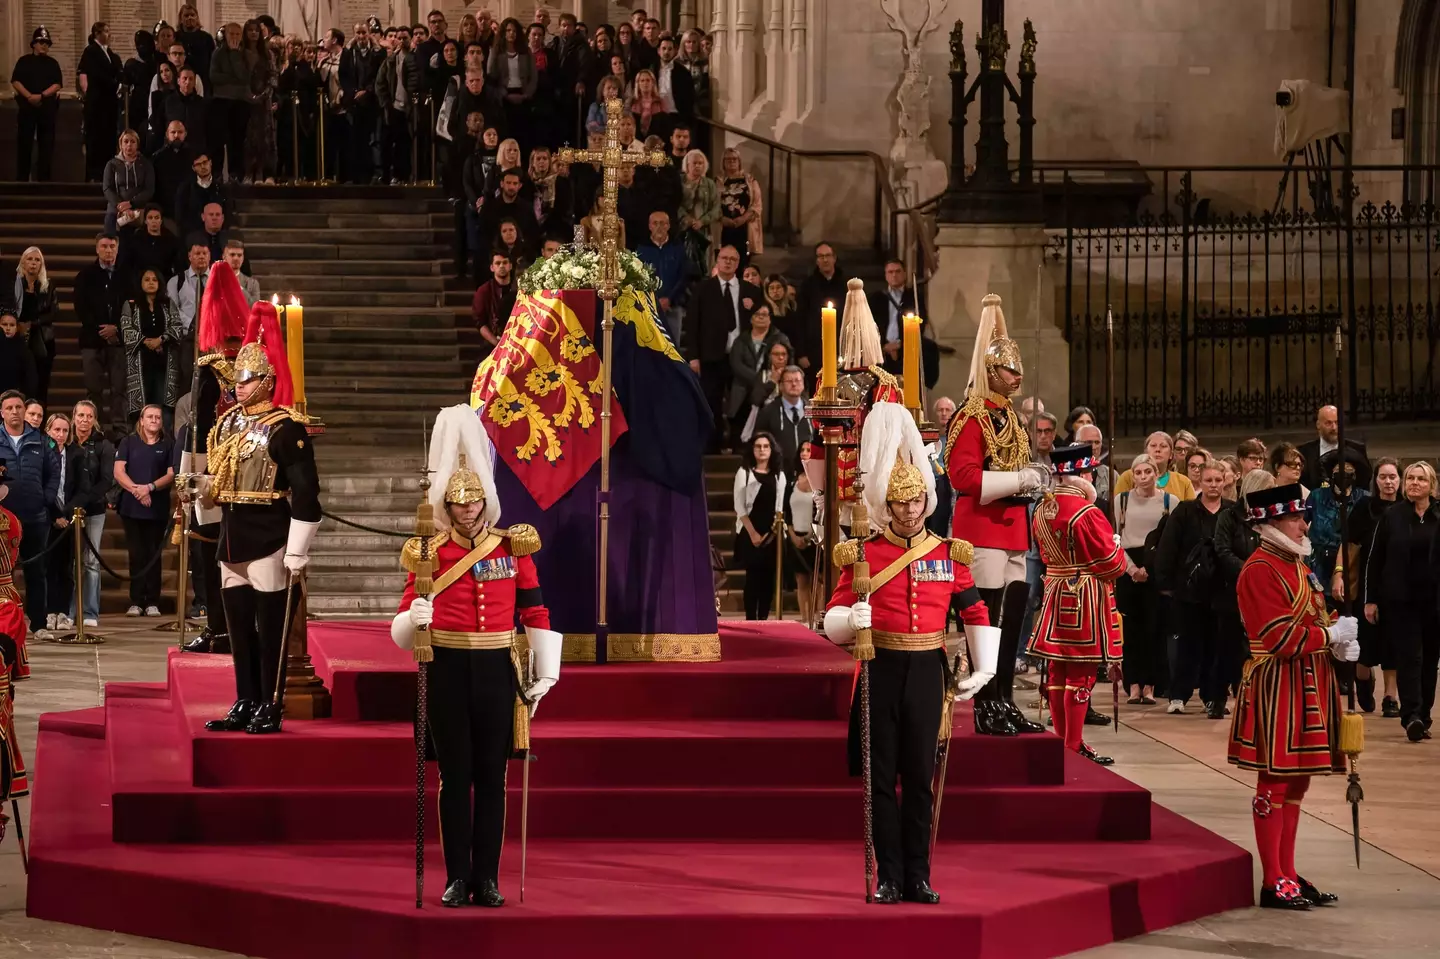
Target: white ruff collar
{"x": 1079, "y": 484}
{"x": 1284, "y": 543}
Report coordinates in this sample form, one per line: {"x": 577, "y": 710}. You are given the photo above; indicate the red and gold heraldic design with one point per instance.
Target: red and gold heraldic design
{"x": 1077, "y": 620}
{"x": 538, "y": 393}
{"x": 9, "y": 555}
{"x": 14, "y": 781}
{"x": 1287, "y": 716}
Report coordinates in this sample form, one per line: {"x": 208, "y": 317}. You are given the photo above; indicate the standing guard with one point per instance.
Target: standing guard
{"x": 1286, "y": 725}
{"x": 221, "y": 329}
{"x": 14, "y": 781}
{"x": 486, "y": 679}
{"x": 915, "y": 576}
{"x": 1077, "y": 626}
{"x": 988, "y": 461}
{"x": 261, "y": 472}
{"x": 17, "y": 666}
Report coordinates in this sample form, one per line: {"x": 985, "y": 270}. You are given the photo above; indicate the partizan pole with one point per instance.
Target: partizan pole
{"x": 1352, "y": 724}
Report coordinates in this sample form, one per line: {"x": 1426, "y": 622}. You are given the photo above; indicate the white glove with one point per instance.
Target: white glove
{"x": 984, "y": 643}
{"x": 1033, "y": 478}
{"x": 1343, "y": 644}
{"x": 422, "y": 612}
{"x": 297, "y": 545}
{"x": 860, "y": 616}
{"x": 1115, "y": 537}
{"x": 535, "y": 692}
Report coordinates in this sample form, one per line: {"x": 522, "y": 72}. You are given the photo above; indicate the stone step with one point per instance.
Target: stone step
{"x": 15, "y": 230}
{"x": 308, "y": 283}
{"x": 356, "y": 247}
{"x": 345, "y": 503}
{"x": 397, "y": 522}
{"x": 396, "y": 403}
{"x": 343, "y": 461}
{"x": 348, "y": 485}
{"x": 394, "y": 354}
{"x": 32, "y": 208}
{"x": 379, "y": 385}
{"x": 326, "y": 562}
{"x": 355, "y": 541}
{"x": 388, "y": 584}
{"x": 362, "y": 296}
{"x": 332, "y": 206}
{"x": 371, "y": 337}
{"x": 411, "y": 323}
{"x": 393, "y": 237}
{"x": 252, "y": 221}
{"x": 354, "y": 605}
{"x": 331, "y": 266}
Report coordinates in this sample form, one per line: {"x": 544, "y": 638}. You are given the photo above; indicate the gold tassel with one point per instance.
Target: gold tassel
{"x": 423, "y": 651}
{"x": 946, "y": 717}
{"x": 864, "y": 645}
{"x": 522, "y": 724}
{"x": 1352, "y": 734}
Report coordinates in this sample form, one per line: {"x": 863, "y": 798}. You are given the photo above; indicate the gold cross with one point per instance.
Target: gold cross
{"x": 611, "y": 159}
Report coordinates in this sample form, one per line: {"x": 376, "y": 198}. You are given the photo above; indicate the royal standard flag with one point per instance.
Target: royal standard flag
{"x": 538, "y": 393}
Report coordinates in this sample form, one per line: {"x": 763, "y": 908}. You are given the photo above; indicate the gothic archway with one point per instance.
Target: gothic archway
{"x": 1417, "y": 77}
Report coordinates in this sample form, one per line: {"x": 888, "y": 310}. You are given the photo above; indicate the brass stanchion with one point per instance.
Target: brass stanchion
{"x": 181, "y": 537}
{"x": 779, "y": 529}
{"x": 434, "y": 139}
{"x": 414, "y": 145}
{"x": 320, "y": 177}
{"x": 79, "y": 635}
{"x": 295, "y": 176}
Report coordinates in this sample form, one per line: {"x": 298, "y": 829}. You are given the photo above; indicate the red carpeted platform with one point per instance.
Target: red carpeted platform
{"x": 700, "y": 808}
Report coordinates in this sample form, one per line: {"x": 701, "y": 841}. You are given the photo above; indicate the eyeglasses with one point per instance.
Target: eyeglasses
{"x": 1293, "y": 464}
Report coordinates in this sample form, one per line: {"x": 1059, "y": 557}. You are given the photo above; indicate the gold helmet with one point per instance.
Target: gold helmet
{"x": 994, "y": 349}
{"x": 893, "y": 460}
{"x": 251, "y": 363}
{"x": 907, "y": 482}
{"x": 1004, "y": 353}
{"x": 464, "y": 485}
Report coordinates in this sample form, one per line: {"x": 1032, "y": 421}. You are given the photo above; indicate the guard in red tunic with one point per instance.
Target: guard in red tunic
{"x": 486, "y": 678}
{"x": 1077, "y": 626}
{"x": 14, "y": 782}
{"x": 987, "y": 457}
{"x": 914, "y": 576}
{"x": 17, "y": 666}
{"x": 1286, "y": 725}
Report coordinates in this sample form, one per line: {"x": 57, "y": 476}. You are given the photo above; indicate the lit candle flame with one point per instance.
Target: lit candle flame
{"x": 275, "y": 299}
{"x": 294, "y": 300}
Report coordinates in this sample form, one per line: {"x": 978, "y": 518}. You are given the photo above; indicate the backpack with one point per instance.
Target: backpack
{"x": 1200, "y": 567}
{"x": 1152, "y": 539}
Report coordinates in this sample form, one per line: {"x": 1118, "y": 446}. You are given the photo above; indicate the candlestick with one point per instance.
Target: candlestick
{"x": 295, "y": 348}
{"x": 829, "y": 345}
{"x": 911, "y": 349}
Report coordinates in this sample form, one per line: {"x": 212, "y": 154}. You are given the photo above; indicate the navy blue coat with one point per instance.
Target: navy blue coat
{"x": 33, "y": 474}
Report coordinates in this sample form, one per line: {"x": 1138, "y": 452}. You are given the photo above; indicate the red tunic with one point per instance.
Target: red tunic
{"x": 488, "y": 605}
{"x": 14, "y": 782}
{"x": 1077, "y": 620}
{"x": 1002, "y": 524}
{"x": 1287, "y": 716}
{"x": 908, "y": 611}
{"x": 9, "y": 552}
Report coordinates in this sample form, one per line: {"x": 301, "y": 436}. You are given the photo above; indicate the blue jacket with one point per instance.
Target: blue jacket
{"x": 670, "y": 268}
{"x": 33, "y": 474}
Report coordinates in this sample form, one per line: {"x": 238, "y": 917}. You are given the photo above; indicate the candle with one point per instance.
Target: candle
{"x": 829, "y": 343}
{"x": 910, "y": 347}
{"x": 295, "y": 349}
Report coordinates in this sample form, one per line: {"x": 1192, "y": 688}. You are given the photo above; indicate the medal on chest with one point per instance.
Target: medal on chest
{"x": 491, "y": 570}
{"x": 932, "y": 571}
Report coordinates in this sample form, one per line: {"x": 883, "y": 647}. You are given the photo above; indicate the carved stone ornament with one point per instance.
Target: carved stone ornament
{"x": 957, "y": 47}
{"x": 1027, "y": 49}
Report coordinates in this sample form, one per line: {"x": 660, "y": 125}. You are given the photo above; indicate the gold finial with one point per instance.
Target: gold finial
{"x": 1027, "y": 50}
{"x": 957, "y": 47}
{"x": 993, "y": 47}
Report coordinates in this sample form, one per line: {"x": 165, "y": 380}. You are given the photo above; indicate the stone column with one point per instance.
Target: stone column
{"x": 740, "y": 78}
{"x": 1008, "y": 260}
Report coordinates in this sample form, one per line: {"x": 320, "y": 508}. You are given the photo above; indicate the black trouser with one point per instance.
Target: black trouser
{"x": 1144, "y": 662}
{"x": 1006, "y": 607}
{"x": 100, "y": 133}
{"x": 32, "y": 125}
{"x": 906, "y": 693}
{"x": 257, "y": 628}
{"x": 759, "y": 587}
{"x": 1234, "y": 647}
{"x": 337, "y": 149}
{"x": 364, "y": 128}
{"x": 714, "y": 378}
{"x": 207, "y": 578}
{"x": 395, "y": 147}
{"x": 1413, "y": 634}
{"x": 143, "y": 539}
{"x": 1195, "y": 647}
{"x": 60, "y": 571}
{"x": 472, "y": 715}
{"x": 33, "y": 539}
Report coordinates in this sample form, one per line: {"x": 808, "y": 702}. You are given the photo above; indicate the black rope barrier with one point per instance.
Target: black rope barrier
{"x": 362, "y": 527}
{"x": 164, "y": 544}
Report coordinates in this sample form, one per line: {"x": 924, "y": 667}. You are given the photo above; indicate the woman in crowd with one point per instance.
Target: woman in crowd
{"x": 60, "y": 561}
{"x": 751, "y": 275}
{"x": 1287, "y": 465}
{"x": 1232, "y": 476}
{"x": 739, "y": 208}
{"x": 229, "y": 103}
{"x": 628, "y": 141}
{"x": 647, "y": 106}
{"x": 1235, "y": 539}
{"x": 165, "y": 84}
{"x": 800, "y": 510}
{"x": 151, "y": 329}
{"x": 699, "y": 211}
{"x": 1329, "y": 565}
{"x": 553, "y": 200}
{"x": 35, "y": 413}
{"x": 507, "y": 157}
{"x": 128, "y": 182}
{"x": 767, "y": 386}
{"x": 137, "y": 74}
{"x": 512, "y": 69}
{"x": 514, "y": 244}
{"x": 1185, "y": 442}
{"x": 94, "y": 480}
{"x": 295, "y": 119}
{"x": 1139, "y": 511}
{"x": 469, "y": 31}
{"x": 693, "y": 59}
{"x": 749, "y": 355}
{"x": 607, "y": 89}
{"x": 143, "y": 470}
{"x": 1400, "y": 596}
{"x": 1078, "y": 417}
{"x": 759, "y": 491}
{"x": 149, "y": 246}
{"x": 621, "y": 75}
{"x": 260, "y": 128}
{"x": 625, "y": 44}
{"x": 1384, "y": 491}
{"x": 17, "y": 363}
{"x": 1159, "y": 446}
{"x": 780, "y": 297}
{"x": 597, "y": 65}
{"x": 1195, "y": 461}
{"x": 36, "y": 311}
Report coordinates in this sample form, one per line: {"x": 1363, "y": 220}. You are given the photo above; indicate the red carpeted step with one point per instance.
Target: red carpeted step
{"x": 637, "y": 900}
{"x": 1097, "y": 806}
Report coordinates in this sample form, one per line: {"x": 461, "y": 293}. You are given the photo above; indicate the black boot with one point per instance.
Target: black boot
{"x": 235, "y": 720}
{"x": 456, "y": 895}
{"x": 1095, "y": 757}
{"x": 1365, "y": 694}
{"x": 1093, "y": 717}
{"x": 921, "y": 892}
{"x": 1284, "y": 895}
{"x": 208, "y": 642}
{"x": 1389, "y": 708}
{"x": 887, "y": 892}
{"x": 266, "y": 720}
{"x": 1316, "y": 897}
{"x": 487, "y": 893}
{"x": 1017, "y": 718}
{"x": 990, "y": 720}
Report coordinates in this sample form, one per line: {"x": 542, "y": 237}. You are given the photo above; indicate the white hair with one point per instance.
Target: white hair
{"x": 44, "y": 273}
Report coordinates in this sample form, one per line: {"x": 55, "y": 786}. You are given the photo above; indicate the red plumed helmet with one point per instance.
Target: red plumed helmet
{"x": 223, "y": 309}
{"x": 264, "y": 353}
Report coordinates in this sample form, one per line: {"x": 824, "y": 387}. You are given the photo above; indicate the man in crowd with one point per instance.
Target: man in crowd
{"x": 179, "y": 59}
{"x": 32, "y": 478}
{"x": 1251, "y": 454}
{"x": 494, "y": 299}
{"x": 100, "y": 293}
{"x": 98, "y": 77}
{"x": 186, "y": 291}
{"x": 188, "y": 105}
{"x": 198, "y": 42}
{"x": 643, "y": 52}
{"x": 428, "y": 53}
{"x": 174, "y": 163}
{"x": 719, "y": 308}
{"x": 235, "y": 257}
{"x": 359, "y": 68}
{"x": 212, "y": 233}
{"x": 939, "y": 521}
{"x": 337, "y": 125}
{"x": 785, "y": 418}
{"x": 509, "y": 204}
{"x": 889, "y": 307}
{"x": 198, "y": 192}
{"x": 667, "y": 258}
{"x": 1327, "y": 438}
{"x": 572, "y": 61}
{"x": 396, "y": 88}
{"x": 824, "y": 286}
{"x": 36, "y": 80}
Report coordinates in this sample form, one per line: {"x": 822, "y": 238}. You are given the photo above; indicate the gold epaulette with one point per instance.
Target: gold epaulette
{"x": 222, "y": 365}
{"x": 524, "y": 539}
{"x": 294, "y": 414}
{"x": 410, "y": 552}
{"x": 961, "y": 551}
{"x": 885, "y": 377}
{"x": 4, "y": 522}
{"x": 846, "y": 552}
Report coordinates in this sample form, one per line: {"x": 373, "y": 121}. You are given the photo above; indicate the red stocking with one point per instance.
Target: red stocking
{"x": 1294, "y": 792}
{"x": 1077, "y": 703}
{"x": 1055, "y": 695}
{"x": 1268, "y": 810}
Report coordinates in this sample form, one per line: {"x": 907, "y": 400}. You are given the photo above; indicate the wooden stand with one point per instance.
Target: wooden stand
{"x": 305, "y": 695}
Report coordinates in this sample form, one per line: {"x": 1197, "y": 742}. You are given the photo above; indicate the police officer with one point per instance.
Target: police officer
{"x": 36, "y": 79}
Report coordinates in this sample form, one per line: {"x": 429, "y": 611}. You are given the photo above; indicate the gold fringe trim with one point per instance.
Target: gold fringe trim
{"x": 1352, "y": 734}
{"x": 644, "y": 648}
